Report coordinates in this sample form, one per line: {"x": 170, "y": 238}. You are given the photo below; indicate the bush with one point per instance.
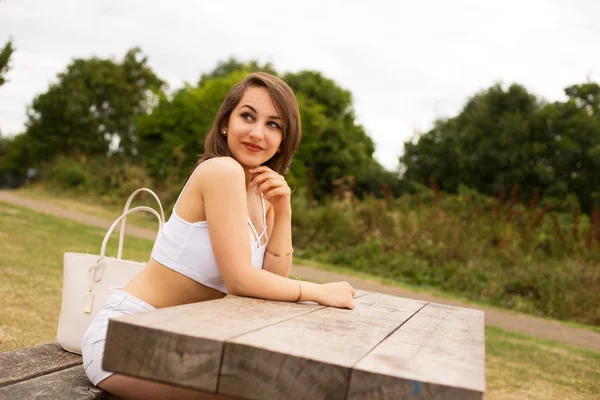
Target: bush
{"x": 68, "y": 175}
{"x": 522, "y": 257}
{"x": 110, "y": 179}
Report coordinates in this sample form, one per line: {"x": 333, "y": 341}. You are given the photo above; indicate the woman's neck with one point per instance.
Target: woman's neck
{"x": 248, "y": 176}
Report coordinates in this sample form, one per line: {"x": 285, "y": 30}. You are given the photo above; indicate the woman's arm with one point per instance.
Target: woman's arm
{"x": 278, "y": 257}
{"x": 274, "y": 188}
{"x": 222, "y": 187}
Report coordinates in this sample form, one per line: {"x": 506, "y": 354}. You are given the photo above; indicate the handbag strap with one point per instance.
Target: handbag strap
{"x": 114, "y": 225}
{"x": 129, "y": 200}
{"x": 97, "y": 270}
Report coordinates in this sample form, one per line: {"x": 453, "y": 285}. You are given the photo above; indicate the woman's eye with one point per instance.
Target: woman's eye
{"x": 274, "y": 125}
{"x": 247, "y": 116}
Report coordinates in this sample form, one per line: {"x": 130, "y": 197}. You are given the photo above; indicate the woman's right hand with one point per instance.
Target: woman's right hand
{"x": 337, "y": 294}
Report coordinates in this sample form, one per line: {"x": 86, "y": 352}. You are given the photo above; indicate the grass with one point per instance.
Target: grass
{"x": 32, "y": 244}
{"x": 94, "y": 206}
{"x": 524, "y": 367}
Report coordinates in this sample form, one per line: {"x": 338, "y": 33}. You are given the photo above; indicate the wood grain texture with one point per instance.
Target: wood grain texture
{"x": 68, "y": 384}
{"x": 437, "y": 354}
{"x": 310, "y": 356}
{"x": 183, "y": 345}
{"x": 21, "y": 365}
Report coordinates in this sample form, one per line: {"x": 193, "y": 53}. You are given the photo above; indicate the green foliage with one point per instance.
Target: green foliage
{"x": 232, "y": 65}
{"x": 488, "y": 249}
{"x": 503, "y": 138}
{"x": 17, "y": 154}
{"x": 171, "y": 137}
{"x": 586, "y": 96}
{"x": 336, "y": 102}
{"x": 102, "y": 107}
{"x": 111, "y": 178}
{"x": 68, "y": 175}
{"x": 333, "y": 145}
{"x": 5, "y": 54}
{"x": 92, "y": 106}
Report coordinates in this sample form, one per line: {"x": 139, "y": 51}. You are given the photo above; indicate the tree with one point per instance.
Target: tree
{"x": 171, "y": 137}
{"x": 586, "y": 96}
{"x": 337, "y": 101}
{"x": 232, "y": 65}
{"x": 90, "y": 110}
{"x": 333, "y": 145}
{"x": 508, "y": 137}
{"x": 569, "y": 150}
{"x": 5, "y": 54}
{"x": 16, "y": 154}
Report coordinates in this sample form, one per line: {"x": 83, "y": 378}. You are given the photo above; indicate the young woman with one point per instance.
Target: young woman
{"x": 230, "y": 231}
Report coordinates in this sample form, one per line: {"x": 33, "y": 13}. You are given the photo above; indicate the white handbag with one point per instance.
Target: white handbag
{"x": 87, "y": 279}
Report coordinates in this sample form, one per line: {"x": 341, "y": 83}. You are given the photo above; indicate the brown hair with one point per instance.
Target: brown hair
{"x": 215, "y": 144}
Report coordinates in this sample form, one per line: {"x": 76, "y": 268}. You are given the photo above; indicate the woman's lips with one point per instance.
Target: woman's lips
{"x": 252, "y": 148}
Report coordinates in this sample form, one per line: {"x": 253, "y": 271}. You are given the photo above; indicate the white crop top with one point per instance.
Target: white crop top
{"x": 185, "y": 247}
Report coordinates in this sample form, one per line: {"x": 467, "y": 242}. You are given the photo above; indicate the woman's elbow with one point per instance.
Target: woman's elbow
{"x": 237, "y": 286}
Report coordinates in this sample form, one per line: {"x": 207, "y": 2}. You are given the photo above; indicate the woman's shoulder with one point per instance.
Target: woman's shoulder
{"x": 218, "y": 170}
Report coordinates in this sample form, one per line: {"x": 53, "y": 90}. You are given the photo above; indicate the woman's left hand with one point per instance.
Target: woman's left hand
{"x": 273, "y": 187}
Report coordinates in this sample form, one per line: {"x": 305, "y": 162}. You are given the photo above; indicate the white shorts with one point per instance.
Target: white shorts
{"x": 117, "y": 303}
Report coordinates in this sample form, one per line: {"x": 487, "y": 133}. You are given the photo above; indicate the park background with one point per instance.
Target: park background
{"x": 496, "y": 200}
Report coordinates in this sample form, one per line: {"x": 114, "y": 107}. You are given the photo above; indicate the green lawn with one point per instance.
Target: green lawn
{"x": 32, "y": 247}
{"x": 32, "y": 244}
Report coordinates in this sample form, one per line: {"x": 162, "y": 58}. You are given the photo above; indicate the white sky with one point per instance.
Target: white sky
{"x": 405, "y": 62}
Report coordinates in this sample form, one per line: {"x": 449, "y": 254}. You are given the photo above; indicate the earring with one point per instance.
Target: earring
{"x": 279, "y": 150}
{"x": 224, "y": 132}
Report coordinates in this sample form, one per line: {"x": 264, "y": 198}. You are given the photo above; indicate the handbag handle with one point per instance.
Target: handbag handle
{"x": 114, "y": 225}
{"x": 97, "y": 270}
{"x": 129, "y": 200}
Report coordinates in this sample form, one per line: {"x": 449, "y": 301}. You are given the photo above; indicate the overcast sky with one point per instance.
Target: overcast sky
{"x": 405, "y": 62}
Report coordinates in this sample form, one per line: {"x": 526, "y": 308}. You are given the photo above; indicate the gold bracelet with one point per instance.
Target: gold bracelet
{"x": 300, "y": 294}
{"x": 277, "y": 255}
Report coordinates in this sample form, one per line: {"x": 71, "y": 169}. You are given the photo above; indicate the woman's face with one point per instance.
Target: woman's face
{"x": 254, "y": 131}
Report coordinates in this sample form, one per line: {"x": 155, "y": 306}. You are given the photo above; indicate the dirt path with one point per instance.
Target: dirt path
{"x": 516, "y": 322}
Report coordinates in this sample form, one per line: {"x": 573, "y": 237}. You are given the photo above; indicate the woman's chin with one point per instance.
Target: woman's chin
{"x": 250, "y": 160}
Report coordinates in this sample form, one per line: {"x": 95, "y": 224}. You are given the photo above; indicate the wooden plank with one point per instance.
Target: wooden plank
{"x": 437, "y": 354}
{"x": 183, "y": 345}
{"x": 20, "y": 365}
{"x": 68, "y": 384}
{"x": 310, "y": 356}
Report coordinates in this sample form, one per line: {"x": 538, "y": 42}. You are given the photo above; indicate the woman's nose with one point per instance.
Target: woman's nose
{"x": 257, "y": 131}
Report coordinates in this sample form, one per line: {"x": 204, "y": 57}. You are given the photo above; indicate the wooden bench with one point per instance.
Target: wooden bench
{"x": 386, "y": 348}
{"x": 47, "y": 372}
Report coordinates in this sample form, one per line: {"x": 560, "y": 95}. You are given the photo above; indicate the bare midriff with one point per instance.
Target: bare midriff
{"x": 162, "y": 287}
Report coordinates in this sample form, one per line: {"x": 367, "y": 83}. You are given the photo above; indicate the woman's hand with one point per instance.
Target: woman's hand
{"x": 337, "y": 294}
{"x": 273, "y": 187}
